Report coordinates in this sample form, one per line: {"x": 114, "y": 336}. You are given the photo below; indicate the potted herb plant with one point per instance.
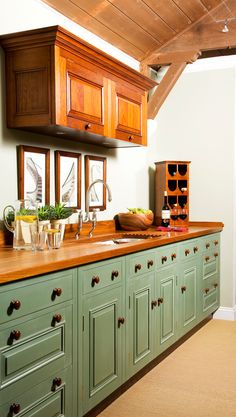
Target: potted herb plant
{"x": 58, "y": 215}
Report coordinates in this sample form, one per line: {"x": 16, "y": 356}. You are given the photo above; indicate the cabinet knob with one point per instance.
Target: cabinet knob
{"x": 187, "y": 252}
{"x": 57, "y": 292}
{"x": 95, "y": 280}
{"x": 206, "y": 290}
{"x": 131, "y": 137}
{"x": 15, "y": 335}
{"x": 88, "y": 126}
{"x": 114, "y": 275}
{"x": 153, "y": 304}
{"x": 150, "y": 263}
{"x": 14, "y": 408}
{"x": 195, "y": 249}
{"x": 183, "y": 289}
{"x": 137, "y": 267}
{"x": 57, "y": 318}
{"x": 15, "y": 305}
{"x": 216, "y": 242}
{"x": 121, "y": 320}
{"x": 207, "y": 245}
{"x": 163, "y": 259}
{"x": 216, "y": 285}
{"x": 207, "y": 258}
{"x": 216, "y": 254}
{"x": 57, "y": 382}
{"x": 173, "y": 256}
{"x": 160, "y": 301}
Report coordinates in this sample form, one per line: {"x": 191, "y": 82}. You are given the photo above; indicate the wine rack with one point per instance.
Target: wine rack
{"x": 173, "y": 177}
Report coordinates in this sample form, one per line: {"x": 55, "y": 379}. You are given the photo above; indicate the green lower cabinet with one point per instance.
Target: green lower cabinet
{"x": 167, "y": 309}
{"x": 188, "y": 291}
{"x": 103, "y": 342}
{"x": 140, "y": 323}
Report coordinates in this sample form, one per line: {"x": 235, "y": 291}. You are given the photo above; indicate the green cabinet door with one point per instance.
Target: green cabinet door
{"x": 102, "y": 346}
{"x": 188, "y": 289}
{"x": 139, "y": 329}
{"x": 166, "y": 308}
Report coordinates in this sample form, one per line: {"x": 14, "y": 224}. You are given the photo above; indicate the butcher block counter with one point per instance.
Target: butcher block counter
{"x": 16, "y": 265}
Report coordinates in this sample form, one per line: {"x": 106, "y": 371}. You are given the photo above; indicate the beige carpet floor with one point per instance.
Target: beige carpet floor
{"x": 197, "y": 380}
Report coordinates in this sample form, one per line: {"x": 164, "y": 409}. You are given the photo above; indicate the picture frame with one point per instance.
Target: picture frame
{"x": 96, "y": 168}
{"x": 68, "y": 178}
{"x": 34, "y": 174}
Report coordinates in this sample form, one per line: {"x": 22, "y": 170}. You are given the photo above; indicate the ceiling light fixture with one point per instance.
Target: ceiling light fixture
{"x": 225, "y": 28}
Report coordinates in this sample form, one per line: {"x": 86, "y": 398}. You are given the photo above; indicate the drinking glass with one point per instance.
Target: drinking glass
{"x": 183, "y": 213}
{"x": 174, "y": 213}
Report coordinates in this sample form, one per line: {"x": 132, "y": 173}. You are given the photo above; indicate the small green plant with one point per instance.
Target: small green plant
{"x": 44, "y": 213}
{"x": 59, "y": 211}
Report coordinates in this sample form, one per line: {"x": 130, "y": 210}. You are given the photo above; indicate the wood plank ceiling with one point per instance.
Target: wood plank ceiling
{"x": 142, "y": 27}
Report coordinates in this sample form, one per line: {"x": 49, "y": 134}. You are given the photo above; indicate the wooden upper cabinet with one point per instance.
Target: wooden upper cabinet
{"x": 57, "y": 84}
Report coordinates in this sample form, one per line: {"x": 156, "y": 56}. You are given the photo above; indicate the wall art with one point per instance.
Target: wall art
{"x": 34, "y": 174}
{"x": 95, "y": 168}
{"x": 68, "y": 178}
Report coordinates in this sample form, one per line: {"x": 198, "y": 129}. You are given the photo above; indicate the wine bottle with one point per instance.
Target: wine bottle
{"x": 165, "y": 212}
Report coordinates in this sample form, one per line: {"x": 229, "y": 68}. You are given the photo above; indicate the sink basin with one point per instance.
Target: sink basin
{"x": 127, "y": 239}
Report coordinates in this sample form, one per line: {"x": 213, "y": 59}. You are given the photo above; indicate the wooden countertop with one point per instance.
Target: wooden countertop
{"x": 17, "y": 265}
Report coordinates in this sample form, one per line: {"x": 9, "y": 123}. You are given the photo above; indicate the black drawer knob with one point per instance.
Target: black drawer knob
{"x": 57, "y": 292}
{"x": 15, "y": 335}
{"x": 160, "y": 301}
{"x": 187, "y": 252}
{"x": 95, "y": 280}
{"x": 183, "y": 289}
{"x": 173, "y": 256}
{"x": 137, "y": 267}
{"x": 121, "y": 320}
{"x": 57, "y": 382}
{"x": 114, "y": 275}
{"x": 15, "y": 304}
{"x": 15, "y": 408}
{"x": 150, "y": 263}
{"x": 153, "y": 304}
{"x": 57, "y": 318}
{"x": 163, "y": 259}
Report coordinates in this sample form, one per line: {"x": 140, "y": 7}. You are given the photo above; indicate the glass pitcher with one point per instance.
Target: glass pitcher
{"x": 21, "y": 220}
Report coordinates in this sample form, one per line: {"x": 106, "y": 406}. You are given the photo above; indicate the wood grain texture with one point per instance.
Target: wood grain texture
{"x": 17, "y": 265}
{"x": 140, "y": 27}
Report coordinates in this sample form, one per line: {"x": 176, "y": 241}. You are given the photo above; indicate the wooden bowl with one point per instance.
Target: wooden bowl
{"x": 129, "y": 221}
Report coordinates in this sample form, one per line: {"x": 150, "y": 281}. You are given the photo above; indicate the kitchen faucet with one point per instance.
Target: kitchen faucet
{"x": 86, "y": 218}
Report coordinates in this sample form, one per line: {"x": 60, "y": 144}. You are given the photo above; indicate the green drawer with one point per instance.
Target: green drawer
{"x": 190, "y": 249}
{"x": 140, "y": 263}
{"x": 100, "y": 275}
{"x": 210, "y": 265}
{"x": 43, "y": 400}
{"x": 210, "y": 301}
{"x": 166, "y": 256}
{"x": 211, "y": 243}
{"x": 41, "y": 341}
{"x": 20, "y": 299}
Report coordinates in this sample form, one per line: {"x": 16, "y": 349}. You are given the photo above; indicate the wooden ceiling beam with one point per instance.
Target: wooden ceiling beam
{"x": 166, "y": 85}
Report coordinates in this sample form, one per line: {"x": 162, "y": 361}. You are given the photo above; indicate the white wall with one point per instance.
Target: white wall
{"x": 195, "y": 123}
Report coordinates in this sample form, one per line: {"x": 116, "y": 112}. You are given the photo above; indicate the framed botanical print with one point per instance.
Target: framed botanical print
{"x": 68, "y": 178}
{"x": 95, "y": 168}
{"x": 34, "y": 174}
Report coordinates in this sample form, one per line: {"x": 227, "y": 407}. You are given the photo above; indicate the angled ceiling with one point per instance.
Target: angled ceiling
{"x": 143, "y": 27}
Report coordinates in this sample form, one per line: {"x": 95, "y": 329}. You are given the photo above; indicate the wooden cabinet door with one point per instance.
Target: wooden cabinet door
{"x": 129, "y": 113}
{"x": 140, "y": 318}
{"x": 102, "y": 346}
{"x": 167, "y": 308}
{"x": 188, "y": 295}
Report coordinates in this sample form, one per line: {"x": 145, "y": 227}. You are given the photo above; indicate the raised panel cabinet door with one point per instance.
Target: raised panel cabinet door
{"x": 129, "y": 113}
{"x": 84, "y": 99}
{"x": 102, "y": 346}
{"x": 166, "y": 330}
{"x": 188, "y": 295}
{"x": 139, "y": 330}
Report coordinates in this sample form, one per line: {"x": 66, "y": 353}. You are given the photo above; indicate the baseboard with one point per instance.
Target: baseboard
{"x": 225, "y": 313}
